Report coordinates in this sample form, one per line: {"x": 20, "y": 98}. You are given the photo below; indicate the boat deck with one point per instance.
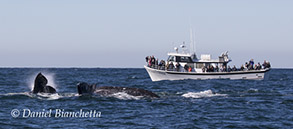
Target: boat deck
{"x": 157, "y": 75}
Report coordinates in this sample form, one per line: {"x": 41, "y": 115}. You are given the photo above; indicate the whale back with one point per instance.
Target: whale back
{"x": 128, "y": 90}
{"x": 84, "y": 88}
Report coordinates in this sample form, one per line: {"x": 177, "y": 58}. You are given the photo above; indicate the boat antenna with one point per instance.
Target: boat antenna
{"x": 192, "y": 44}
{"x": 192, "y": 50}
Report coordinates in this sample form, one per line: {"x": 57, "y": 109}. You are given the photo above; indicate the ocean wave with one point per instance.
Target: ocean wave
{"x": 202, "y": 94}
{"x": 252, "y": 90}
{"x": 43, "y": 96}
{"x": 12, "y": 94}
{"x": 56, "y": 96}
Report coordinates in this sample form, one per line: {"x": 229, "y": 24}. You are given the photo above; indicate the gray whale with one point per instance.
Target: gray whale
{"x": 40, "y": 85}
{"x": 84, "y": 88}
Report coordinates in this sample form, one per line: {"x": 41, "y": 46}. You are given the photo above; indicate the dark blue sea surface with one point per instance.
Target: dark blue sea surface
{"x": 182, "y": 104}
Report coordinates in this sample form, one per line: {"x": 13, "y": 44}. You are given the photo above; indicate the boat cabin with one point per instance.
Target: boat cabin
{"x": 198, "y": 64}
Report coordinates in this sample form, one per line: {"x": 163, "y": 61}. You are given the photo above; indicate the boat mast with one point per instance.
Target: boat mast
{"x": 192, "y": 44}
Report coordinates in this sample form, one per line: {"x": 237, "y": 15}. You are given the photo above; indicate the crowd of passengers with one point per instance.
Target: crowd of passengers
{"x": 152, "y": 62}
{"x": 248, "y": 66}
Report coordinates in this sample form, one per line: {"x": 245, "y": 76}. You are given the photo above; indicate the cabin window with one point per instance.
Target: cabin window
{"x": 199, "y": 65}
{"x": 171, "y": 58}
{"x": 183, "y": 59}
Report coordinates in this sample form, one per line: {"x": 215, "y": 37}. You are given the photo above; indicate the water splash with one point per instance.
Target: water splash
{"x": 202, "y": 94}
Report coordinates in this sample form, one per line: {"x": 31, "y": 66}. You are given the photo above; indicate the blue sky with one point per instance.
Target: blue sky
{"x": 90, "y": 33}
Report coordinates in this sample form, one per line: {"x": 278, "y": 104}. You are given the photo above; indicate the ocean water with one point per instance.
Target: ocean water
{"x": 182, "y": 104}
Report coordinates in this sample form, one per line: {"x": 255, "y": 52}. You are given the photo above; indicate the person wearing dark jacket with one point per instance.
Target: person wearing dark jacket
{"x": 186, "y": 67}
{"x": 178, "y": 66}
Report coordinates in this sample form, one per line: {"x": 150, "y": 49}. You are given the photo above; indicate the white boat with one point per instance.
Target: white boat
{"x": 158, "y": 75}
{"x": 197, "y": 68}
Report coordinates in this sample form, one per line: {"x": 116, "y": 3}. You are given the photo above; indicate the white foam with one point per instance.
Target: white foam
{"x": 11, "y": 94}
{"x": 253, "y": 90}
{"x": 125, "y": 96}
{"x": 48, "y": 96}
{"x": 55, "y": 96}
{"x": 44, "y": 96}
{"x": 202, "y": 94}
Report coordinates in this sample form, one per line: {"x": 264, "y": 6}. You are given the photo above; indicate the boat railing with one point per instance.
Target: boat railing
{"x": 163, "y": 68}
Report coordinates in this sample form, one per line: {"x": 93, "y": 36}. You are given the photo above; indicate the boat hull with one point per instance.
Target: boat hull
{"x": 158, "y": 75}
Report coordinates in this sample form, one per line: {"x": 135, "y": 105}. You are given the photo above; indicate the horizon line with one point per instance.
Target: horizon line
{"x": 33, "y": 67}
{"x": 67, "y": 67}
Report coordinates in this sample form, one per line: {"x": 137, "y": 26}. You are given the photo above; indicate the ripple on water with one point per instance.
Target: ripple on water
{"x": 182, "y": 104}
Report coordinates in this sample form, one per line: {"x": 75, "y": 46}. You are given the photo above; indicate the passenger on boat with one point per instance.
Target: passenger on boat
{"x": 234, "y": 68}
{"x": 178, "y": 66}
{"x": 242, "y": 68}
{"x": 221, "y": 69}
{"x": 147, "y": 59}
{"x": 229, "y": 69}
{"x": 156, "y": 63}
{"x": 171, "y": 66}
{"x": 269, "y": 65}
{"x": 189, "y": 69}
{"x": 255, "y": 67}
{"x": 161, "y": 65}
{"x": 153, "y": 61}
{"x": 186, "y": 67}
{"x": 212, "y": 69}
{"x": 208, "y": 68}
{"x": 150, "y": 62}
{"x": 224, "y": 69}
{"x": 258, "y": 67}
{"x": 251, "y": 63}
{"x": 204, "y": 69}
{"x": 246, "y": 65}
{"x": 167, "y": 65}
{"x": 250, "y": 67}
{"x": 266, "y": 64}
{"x": 217, "y": 69}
